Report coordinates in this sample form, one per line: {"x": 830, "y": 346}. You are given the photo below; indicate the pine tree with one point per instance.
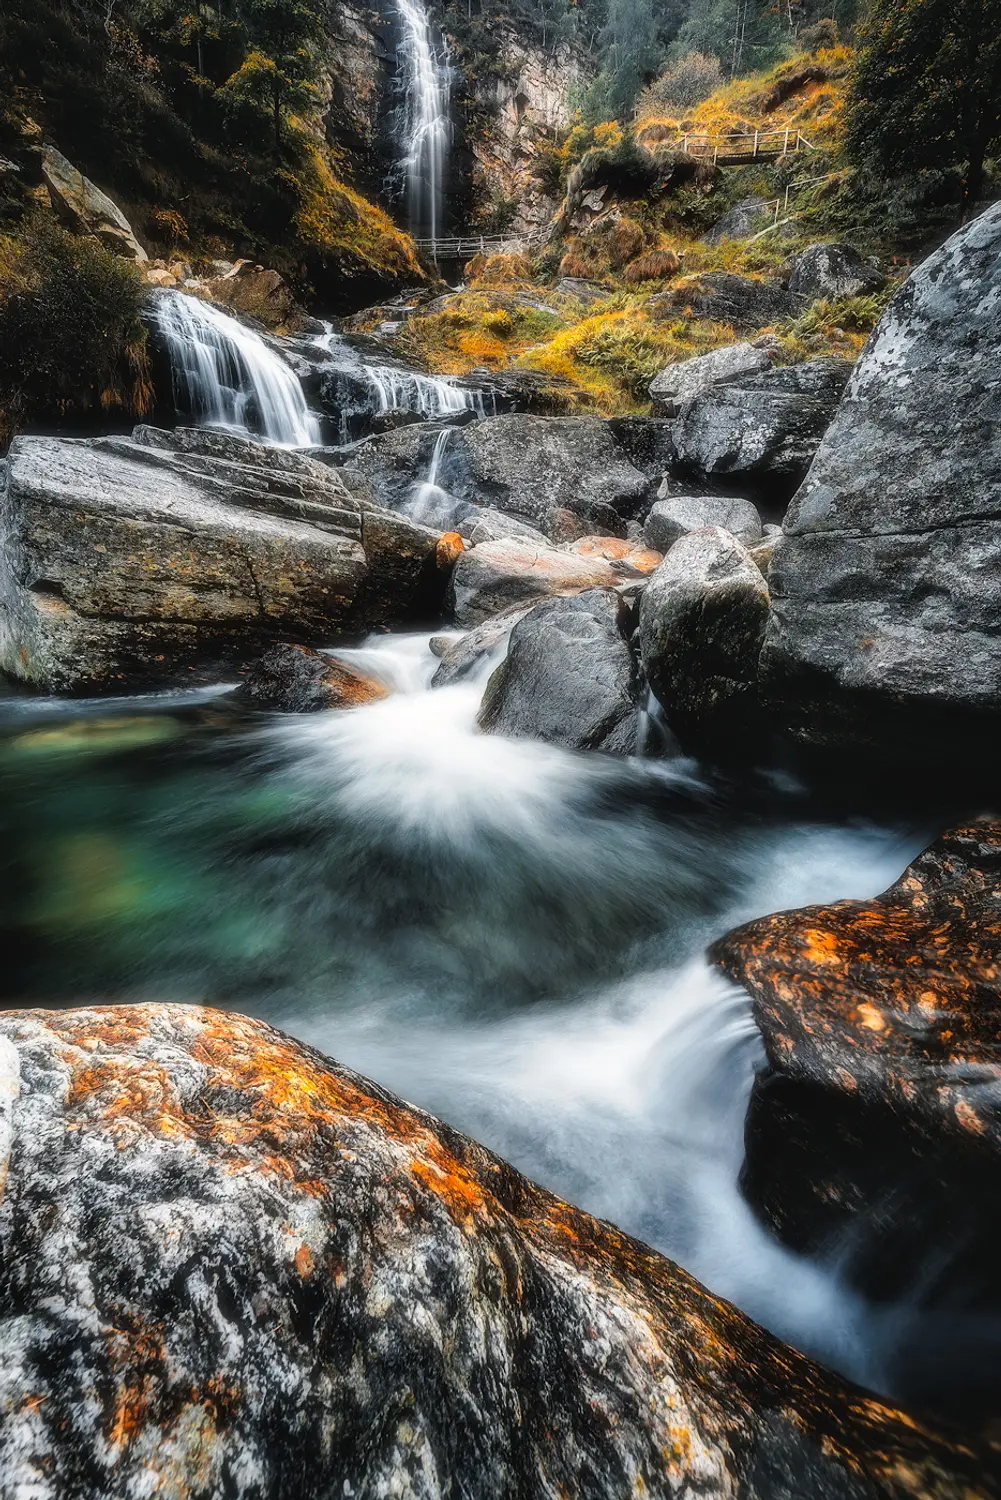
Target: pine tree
{"x": 926, "y": 90}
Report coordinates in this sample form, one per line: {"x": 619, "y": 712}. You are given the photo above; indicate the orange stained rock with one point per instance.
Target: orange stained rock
{"x": 449, "y": 549}
{"x": 615, "y": 549}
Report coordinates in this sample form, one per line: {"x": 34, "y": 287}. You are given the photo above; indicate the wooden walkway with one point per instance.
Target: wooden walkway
{"x": 730, "y": 150}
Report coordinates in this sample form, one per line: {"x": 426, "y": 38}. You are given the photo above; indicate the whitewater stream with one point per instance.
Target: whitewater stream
{"x": 504, "y": 932}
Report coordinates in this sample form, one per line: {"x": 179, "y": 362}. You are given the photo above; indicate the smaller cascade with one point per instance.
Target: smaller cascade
{"x": 426, "y": 129}
{"x": 429, "y": 503}
{"x": 357, "y": 392}
{"x": 225, "y": 375}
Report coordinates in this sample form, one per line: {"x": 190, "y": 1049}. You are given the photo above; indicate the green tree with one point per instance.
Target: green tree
{"x": 926, "y": 89}
{"x": 280, "y": 71}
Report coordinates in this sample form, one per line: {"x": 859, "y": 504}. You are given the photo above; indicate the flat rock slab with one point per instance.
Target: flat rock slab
{"x": 686, "y": 378}
{"x": 232, "y": 1268}
{"x": 496, "y": 575}
{"x": 122, "y": 559}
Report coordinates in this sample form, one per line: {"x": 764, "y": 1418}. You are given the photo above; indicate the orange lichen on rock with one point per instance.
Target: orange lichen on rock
{"x": 616, "y": 550}
{"x": 280, "y": 1272}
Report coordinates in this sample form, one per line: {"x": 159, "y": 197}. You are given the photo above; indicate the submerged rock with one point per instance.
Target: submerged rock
{"x": 676, "y": 515}
{"x": 686, "y": 378}
{"x": 570, "y": 677}
{"x": 495, "y": 575}
{"x": 122, "y": 559}
{"x": 886, "y": 583}
{"x": 874, "y": 1136}
{"x": 762, "y": 430}
{"x": 833, "y": 271}
{"x": 239, "y": 1269}
{"x": 530, "y": 467}
{"x": 298, "y": 680}
{"x": 702, "y": 620}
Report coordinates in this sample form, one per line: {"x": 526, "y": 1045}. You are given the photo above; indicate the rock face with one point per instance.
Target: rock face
{"x": 253, "y": 289}
{"x": 743, "y": 219}
{"x": 569, "y": 677}
{"x": 886, "y": 584}
{"x": 85, "y": 209}
{"x": 463, "y": 655}
{"x": 298, "y": 680}
{"x": 492, "y": 577}
{"x": 874, "y": 1135}
{"x": 687, "y": 377}
{"x": 239, "y": 1269}
{"x": 833, "y": 271}
{"x": 121, "y": 559}
{"x": 702, "y": 620}
{"x": 742, "y": 301}
{"x": 676, "y": 515}
{"x": 764, "y": 428}
{"x": 528, "y": 467}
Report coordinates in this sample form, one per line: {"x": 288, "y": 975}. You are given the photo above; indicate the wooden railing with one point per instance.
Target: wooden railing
{"x": 464, "y": 246}
{"x": 733, "y": 149}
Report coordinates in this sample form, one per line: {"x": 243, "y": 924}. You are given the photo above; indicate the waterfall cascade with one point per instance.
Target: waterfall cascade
{"x": 426, "y": 128}
{"x": 356, "y": 391}
{"x": 225, "y": 375}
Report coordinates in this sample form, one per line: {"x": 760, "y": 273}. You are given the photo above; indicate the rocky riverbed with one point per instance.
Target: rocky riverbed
{"x": 448, "y": 747}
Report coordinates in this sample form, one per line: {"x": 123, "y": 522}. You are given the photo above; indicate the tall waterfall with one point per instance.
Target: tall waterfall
{"x": 425, "y": 124}
{"x": 224, "y": 375}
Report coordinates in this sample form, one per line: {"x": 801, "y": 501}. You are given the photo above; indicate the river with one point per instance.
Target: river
{"x": 505, "y": 932}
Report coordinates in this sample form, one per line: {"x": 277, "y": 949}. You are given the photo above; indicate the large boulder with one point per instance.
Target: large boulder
{"x": 874, "y": 1135}
{"x": 833, "y": 271}
{"x": 122, "y": 559}
{"x": 702, "y": 620}
{"x": 741, "y": 301}
{"x": 85, "y": 209}
{"x": 495, "y": 575}
{"x": 570, "y": 677}
{"x": 681, "y": 381}
{"x": 886, "y": 584}
{"x": 761, "y": 431}
{"x": 532, "y": 468}
{"x": 675, "y": 515}
{"x": 233, "y": 1268}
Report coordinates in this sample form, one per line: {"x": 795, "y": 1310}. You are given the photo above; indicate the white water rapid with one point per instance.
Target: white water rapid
{"x": 425, "y": 126}
{"x": 225, "y": 375}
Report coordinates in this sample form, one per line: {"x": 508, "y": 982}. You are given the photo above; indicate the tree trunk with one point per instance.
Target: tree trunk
{"x": 973, "y": 181}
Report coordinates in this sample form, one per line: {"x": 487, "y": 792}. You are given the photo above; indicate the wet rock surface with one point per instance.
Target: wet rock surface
{"x": 874, "y": 1134}
{"x": 886, "y": 583}
{"x": 529, "y": 467}
{"x": 492, "y": 577}
{"x": 761, "y": 430}
{"x": 702, "y": 620}
{"x": 298, "y": 680}
{"x": 569, "y": 677}
{"x": 124, "y": 558}
{"x": 240, "y": 1269}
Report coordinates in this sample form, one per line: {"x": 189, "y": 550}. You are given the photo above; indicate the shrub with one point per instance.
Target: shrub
{"x": 655, "y": 265}
{"x": 690, "y": 80}
{"x": 821, "y": 36}
{"x": 71, "y": 330}
{"x": 498, "y": 270}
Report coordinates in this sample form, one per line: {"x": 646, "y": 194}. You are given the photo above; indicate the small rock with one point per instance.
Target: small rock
{"x": 461, "y": 656}
{"x": 702, "y": 620}
{"x": 686, "y": 378}
{"x": 297, "y": 680}
{"x": 569, "y": 677}
{"x": 493, "y": 525}
{"x": 743, "y": 219}
{"x": 675, "y": 515}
